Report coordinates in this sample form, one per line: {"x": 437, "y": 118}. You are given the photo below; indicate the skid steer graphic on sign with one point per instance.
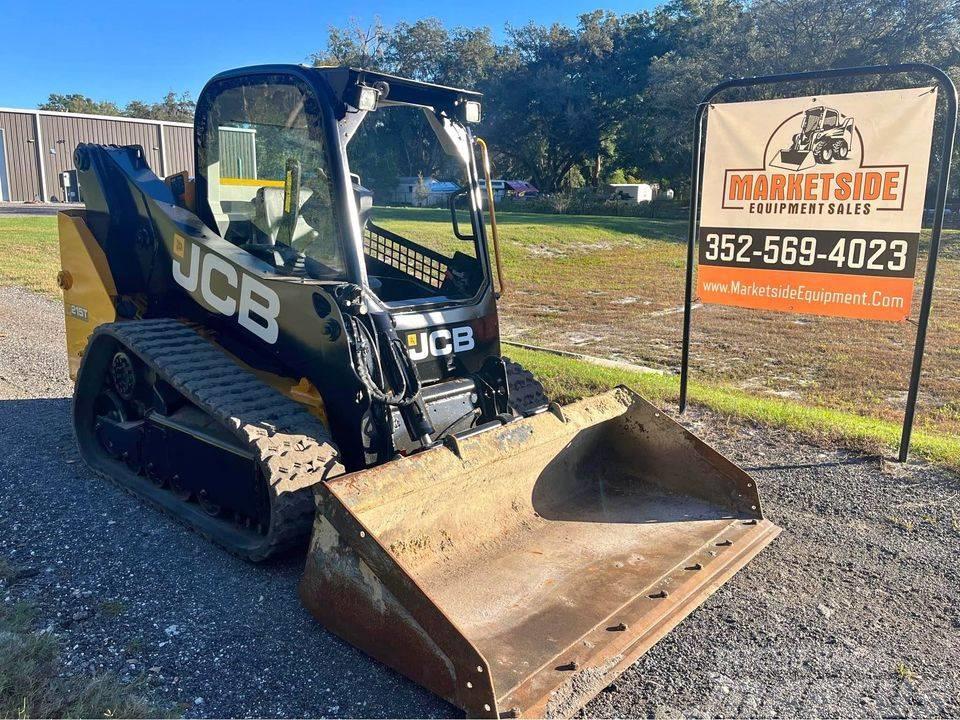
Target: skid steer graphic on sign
{"x": 825, "y": 136}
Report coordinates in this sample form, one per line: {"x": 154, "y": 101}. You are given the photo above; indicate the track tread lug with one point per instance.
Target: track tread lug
{"x": 294, "y": 449}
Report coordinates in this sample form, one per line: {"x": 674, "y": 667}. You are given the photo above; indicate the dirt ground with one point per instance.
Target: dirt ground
{"x": 854, "y": 611}
{"x": 624, "y": 301}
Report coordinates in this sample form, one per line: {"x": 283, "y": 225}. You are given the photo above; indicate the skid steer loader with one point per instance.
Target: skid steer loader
{"x": 825, "y": 135}
{"x": 258, "y": 356}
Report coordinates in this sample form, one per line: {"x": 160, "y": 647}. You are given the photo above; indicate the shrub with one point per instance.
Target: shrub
{"x": 587, "y": 201}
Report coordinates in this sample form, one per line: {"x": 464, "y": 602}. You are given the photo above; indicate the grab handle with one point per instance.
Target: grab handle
{"x": 493, "y": 214}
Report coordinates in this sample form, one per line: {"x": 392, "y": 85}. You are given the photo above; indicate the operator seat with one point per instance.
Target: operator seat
{"x": 268, "y": 215}
{"x": 314, "y": 234}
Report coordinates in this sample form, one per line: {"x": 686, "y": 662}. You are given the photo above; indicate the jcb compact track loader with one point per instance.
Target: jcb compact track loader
{"x": 257, "y": 355}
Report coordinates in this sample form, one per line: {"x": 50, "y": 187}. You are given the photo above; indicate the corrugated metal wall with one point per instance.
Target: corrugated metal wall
{"x": 238, "y": 153}
{"x": 18, "y": 137}
{"x": 179, "y": 148}
{"x": 59, "y": 135}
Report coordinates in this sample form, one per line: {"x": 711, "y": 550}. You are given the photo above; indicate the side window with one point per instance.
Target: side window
{"x": 830, "y": 120}
{"x": 268, "y": 175}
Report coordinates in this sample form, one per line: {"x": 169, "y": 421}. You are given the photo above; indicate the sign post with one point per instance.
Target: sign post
{"x": 814, "y": 204}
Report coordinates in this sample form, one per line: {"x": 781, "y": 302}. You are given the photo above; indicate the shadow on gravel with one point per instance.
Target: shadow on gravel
{"x": 32, "y": 416}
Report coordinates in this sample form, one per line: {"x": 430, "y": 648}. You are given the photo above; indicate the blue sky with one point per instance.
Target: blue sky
{"x": 141, "y": 49}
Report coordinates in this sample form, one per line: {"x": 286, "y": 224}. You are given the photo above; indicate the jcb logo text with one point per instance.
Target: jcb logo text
{"x": 255, "y": 305}
{"x": 438, "y": 343}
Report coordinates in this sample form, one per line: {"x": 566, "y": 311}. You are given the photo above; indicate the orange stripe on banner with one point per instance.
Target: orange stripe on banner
{"x": 853, "y": 296}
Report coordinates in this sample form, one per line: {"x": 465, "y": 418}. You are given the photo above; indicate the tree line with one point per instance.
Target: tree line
{"x": 614, "y": 97}
{"x": 173, "y": 107}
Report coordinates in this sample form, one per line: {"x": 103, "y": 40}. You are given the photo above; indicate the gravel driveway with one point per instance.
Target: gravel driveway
{"x": 853, "y": 611}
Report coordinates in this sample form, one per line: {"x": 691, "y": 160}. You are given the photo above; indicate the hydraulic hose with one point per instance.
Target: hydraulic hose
{"x": 395, "y": 383}
{"x": 369, "y": 351}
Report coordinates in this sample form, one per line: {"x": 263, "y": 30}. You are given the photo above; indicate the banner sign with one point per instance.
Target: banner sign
{"x": 814, "y": 204}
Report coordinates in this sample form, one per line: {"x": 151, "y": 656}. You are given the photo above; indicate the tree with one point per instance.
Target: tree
{"x": 622, "y": 90}
{"x": 421, "y": 193}
{"x": 469, "y": 57}
{"x": 698, "y": 43}
{"x": 354, "y": 45}
{"x": 173, "y": 107}
{"x": 558, "y": 101}
{"x": 77, "y": 103}
{"x": 418, "y": 51}
{"x": 399, "y": 141}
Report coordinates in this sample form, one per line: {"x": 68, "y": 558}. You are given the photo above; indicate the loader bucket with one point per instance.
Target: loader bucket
{"x": 795, "y": 160}
{"x": 517, "y": 572}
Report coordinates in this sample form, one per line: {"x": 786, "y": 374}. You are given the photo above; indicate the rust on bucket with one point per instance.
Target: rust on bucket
{"x": 519, "y": 571}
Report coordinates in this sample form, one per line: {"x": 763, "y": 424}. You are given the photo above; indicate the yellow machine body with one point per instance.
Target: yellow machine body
{"x": 89, "y": 293}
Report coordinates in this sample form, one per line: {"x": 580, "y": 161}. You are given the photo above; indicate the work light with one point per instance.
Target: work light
{"x": 363, "y": 97}
{"x": 471, "y": 111}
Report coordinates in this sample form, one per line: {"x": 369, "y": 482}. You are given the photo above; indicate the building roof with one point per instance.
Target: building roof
{"x": 521, "y": 186}
{"x": 87, "y": 116}
{"x": 433, "y": 185}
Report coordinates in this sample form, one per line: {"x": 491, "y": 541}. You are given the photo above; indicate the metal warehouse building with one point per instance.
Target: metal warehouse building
{"x": 36, "y": 149}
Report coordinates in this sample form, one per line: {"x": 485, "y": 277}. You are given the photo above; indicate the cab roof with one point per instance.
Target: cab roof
{"x": 343, "y": 80}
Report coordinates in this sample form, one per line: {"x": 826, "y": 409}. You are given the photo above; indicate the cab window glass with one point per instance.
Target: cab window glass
{"x": 268, "y": 176}
{"x": 811, "y": 120}
{"x": 411, "y": 182}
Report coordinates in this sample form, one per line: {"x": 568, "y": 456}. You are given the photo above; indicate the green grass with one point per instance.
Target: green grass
{"x": 31, "y": 685}
{"x": 112, "y": 608}
{"x": 540, "y": 228}
{"x": 29, "y": 253}
{"x": 556, "y": 251}
{"x": 904, "y": 672}
{"x": 568, "y": 379}
{"x": 551, "y": 259}
{"x": 8, "y": 573}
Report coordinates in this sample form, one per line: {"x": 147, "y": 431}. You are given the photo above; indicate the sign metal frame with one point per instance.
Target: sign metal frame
{"x": 948, "y": 133}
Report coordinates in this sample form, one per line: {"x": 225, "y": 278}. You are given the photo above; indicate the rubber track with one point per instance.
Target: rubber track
{"x": 292, "y": 447}
{"x": 526, "y": 392}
